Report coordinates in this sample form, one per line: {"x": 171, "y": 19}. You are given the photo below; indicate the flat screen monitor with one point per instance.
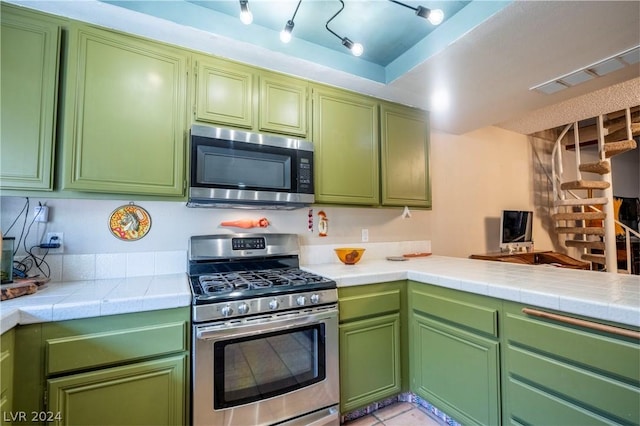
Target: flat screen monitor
{"x": 516, "y": 229}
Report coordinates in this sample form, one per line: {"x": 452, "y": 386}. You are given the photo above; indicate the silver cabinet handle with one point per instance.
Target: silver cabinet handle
{"x": 582, "y": 323}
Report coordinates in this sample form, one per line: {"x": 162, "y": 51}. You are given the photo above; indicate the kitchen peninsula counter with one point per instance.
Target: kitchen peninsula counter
{"x": 59, "y": 301}
{"x": 599, "y": 295}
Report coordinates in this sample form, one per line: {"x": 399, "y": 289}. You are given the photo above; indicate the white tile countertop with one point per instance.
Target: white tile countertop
{"x": 599, "y": 295}
{"x": 58, "y": 301}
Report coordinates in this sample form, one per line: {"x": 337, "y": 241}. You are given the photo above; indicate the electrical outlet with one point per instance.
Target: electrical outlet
{"x": 365, "y": 235}
{"x": 41, "y": 214}
{"x": 54, "y": 238}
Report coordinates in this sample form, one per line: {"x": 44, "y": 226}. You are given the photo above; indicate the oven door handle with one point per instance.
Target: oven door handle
{"x": 267, "y": 325}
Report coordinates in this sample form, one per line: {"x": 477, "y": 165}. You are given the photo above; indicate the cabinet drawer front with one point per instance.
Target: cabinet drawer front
{"x": 369, "y": 304}
{"x": 471, "y": 316}
{"x": 595, "y": 392}
{"x": 92, "y": 350}
{"x": 608, "y": 355}
{"x": 531, "y": 406}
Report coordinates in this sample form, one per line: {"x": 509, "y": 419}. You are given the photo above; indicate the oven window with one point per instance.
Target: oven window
{"x": 266, "y": 365}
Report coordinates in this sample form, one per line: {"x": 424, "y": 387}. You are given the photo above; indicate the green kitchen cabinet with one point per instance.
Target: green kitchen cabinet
{"x": 404, "y": 146}
{"x": 371, "y": 343}
{"x": 225, "y": 92}
{"x": 283, "y": 104}
{"x": 455, "y": 352}
{"x": 29, "y": 76}
{"x": 7, "y": 361}
{"x": 236, "y": 95}
{"x": 345, "y": 136}
{"x": 568, "y": 374}
{"x": 118, "y": 370}
{"x": 124, "y": 120}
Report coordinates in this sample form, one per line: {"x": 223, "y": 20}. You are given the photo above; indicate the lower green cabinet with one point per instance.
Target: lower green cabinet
{"x": 371, "y": 341}
{"x": 7, "y": 357}
{"x": 566, "y": 373}
{"x": 144, "y": 393}
{"x": 113, "y": 370}
{"x": 455, "y": 353}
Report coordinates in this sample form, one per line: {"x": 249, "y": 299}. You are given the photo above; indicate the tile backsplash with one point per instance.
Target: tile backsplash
{"x": 98, "y": 266}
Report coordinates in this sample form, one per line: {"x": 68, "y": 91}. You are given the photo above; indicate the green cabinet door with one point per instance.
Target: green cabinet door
{"x": 369, "y": 361}
{"x": 404, "y": 143}
{"x": 283, "y": 104}
{"x": 146, "y": 393}
{"x": 125, "y": 114}
{"x": 29, "y": 75}
{"x": 455, "y": 352}
{"x": 224, "y": 92}
{"x": 455, "y": 370}
{"x": 7, "y": 357}
{"x": 345, "y": 136}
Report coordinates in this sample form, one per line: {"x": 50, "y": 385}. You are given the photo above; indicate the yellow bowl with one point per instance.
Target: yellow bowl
{"x": 349, "y": 255}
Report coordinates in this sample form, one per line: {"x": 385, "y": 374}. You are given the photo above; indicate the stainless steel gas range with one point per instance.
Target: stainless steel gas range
{"x": 265, "y": 334}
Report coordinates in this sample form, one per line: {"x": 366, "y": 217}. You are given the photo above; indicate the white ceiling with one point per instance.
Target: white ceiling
{"x": 487, "y": 71}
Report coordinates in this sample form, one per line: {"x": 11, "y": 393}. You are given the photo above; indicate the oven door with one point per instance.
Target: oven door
{"x": 267, "y": 369}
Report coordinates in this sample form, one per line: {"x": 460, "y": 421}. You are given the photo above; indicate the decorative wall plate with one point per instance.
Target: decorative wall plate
{"x": 129, "y": 222}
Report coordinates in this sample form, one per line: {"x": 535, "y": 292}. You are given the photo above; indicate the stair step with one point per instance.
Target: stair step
{"x": 579, "y": 216}
{"x": 601, "y": 167}
{"x": 615, "y": 148}
{"x": 586, "y": 230}
{"x": 585, "y": 244}
{"x": 582, "y": 201}
{"x": 585, "y": 184}
{"x": 595, "y": 258}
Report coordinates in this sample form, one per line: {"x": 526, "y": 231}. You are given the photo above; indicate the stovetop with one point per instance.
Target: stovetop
{"x": 224, "y": 286}
{"x": 236, "y": 275}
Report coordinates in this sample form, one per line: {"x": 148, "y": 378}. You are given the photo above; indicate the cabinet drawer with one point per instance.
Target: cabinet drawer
{"x": 595, "y": 392}
{"x": 463, "y": 312}
{"x": 83, "y": 351}
{"x": 364, "y": 305}
{"x": 610, "y": 355}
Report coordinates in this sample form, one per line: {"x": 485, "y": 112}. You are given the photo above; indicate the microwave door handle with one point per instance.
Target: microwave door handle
{"x": 209, "y": 333}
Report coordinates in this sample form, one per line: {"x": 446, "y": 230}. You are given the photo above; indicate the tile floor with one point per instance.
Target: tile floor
{"x": 398, "y": 414}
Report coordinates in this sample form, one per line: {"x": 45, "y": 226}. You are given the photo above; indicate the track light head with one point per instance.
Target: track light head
{"x": 245, "y": 14}
{"x": 285, "y": 34}
{"x": 355, "y": 48}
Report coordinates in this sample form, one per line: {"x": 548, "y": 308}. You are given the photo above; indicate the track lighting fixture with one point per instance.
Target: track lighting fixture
{"x": 356, "y": 48}
{"x": 245, "y": 14}
{"x": 285, "y": 34}
{"x": 435, "y": 16}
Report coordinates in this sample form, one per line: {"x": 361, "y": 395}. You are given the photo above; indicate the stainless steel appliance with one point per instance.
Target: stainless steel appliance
{"x": 232, "y": 169}
{"x": 265, "y": 334}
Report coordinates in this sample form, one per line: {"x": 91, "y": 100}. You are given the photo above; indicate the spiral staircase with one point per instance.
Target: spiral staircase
{"x": 584, "y": 214}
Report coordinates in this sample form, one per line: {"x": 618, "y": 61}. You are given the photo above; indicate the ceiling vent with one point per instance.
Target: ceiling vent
{"x": 598, "y": 69}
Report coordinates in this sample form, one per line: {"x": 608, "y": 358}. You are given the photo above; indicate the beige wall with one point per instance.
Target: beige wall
{"x": 475, "y": 176}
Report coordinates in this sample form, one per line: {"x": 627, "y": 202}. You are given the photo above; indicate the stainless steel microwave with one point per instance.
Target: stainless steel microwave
{"x": 237, "y": 169}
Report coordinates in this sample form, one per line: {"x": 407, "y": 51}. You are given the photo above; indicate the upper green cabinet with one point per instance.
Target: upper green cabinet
{"x": 241, "y": 96}
{"x": 224, "y": 92}
{"x": 124, "y": 114}
{"x": 29, "y": 74}
{"x": 404, "y": 146}
{"x": 283, "y": 104}
{"x": 345, "y": 136}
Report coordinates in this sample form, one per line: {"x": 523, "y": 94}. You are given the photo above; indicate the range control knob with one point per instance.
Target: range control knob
{"x": 243, "y": 308}
{"x": 273, "y": 304}
{"x": 301, "y": 300}
{"x": 226, "y": 311}
{"x": 315, "y": 298}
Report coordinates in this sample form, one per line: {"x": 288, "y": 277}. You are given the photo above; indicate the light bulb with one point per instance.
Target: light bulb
{"x": 357, "y": 49}
{"x": 285, "y": 36}
{"x": 246, "y": 17}
{"x": 436, "y": 16}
